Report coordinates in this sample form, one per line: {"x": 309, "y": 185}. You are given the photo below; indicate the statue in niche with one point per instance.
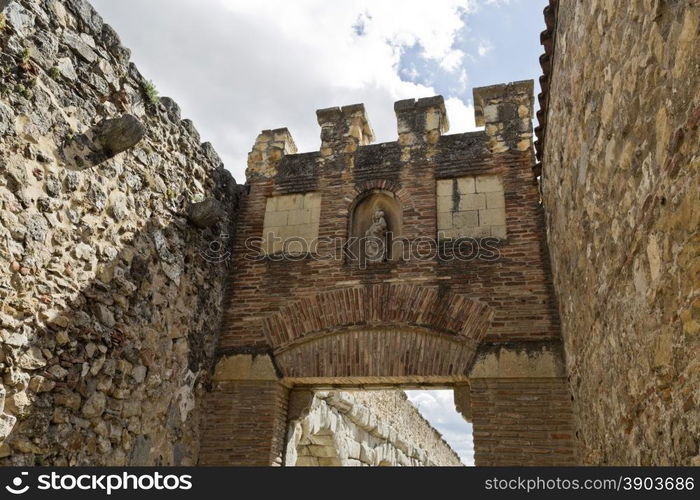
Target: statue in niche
{"x": 375, "y": 238}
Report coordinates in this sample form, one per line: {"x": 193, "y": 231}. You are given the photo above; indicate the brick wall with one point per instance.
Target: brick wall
{"x": 324, "y": 321}
{"x": 244, "y": 423}
{"x": 522, "y": 422}
{"x": 515, "y": 286}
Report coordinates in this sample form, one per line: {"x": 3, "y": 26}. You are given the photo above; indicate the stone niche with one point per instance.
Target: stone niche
{"x": 471, "y": 206}
{"x": 291, "y": 223}
{"x": 368, "y": 208}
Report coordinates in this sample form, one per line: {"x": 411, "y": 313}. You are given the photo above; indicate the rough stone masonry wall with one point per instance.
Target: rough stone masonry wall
{"x": 108, "y": 311}
{"x": 621, "y": 183}
{"x": 365, "y": 428}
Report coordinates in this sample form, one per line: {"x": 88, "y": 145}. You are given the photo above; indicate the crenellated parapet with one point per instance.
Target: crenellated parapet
{"x": 421, "y": 121}
{"x": 269, "y": 148}
{"x": 506, "y": 111}
{"x": 344, "y": 129}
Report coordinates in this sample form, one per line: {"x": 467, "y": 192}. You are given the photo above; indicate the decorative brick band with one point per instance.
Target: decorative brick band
{"x": 380, "y": 305}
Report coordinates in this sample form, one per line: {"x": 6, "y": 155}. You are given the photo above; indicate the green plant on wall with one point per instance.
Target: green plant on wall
{"x": 26, "y": 55}
{"x": 151, "y": 92}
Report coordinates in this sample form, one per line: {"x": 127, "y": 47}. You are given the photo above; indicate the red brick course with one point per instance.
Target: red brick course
{"x": 244, "y": 423}
{"x": 522, "y": 422}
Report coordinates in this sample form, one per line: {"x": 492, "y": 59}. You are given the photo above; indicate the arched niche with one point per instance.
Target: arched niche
{"x": 364, "y": 213}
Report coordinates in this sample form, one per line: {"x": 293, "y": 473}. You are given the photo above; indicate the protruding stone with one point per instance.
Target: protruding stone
{"x": 344, "y": 129}
{"x": 506, "y": 112}
{"x": 421, "y": 121}
{"x": 116, "y": 135}
{"x": 269, "y": 148}
{"x": 205, "y": 213}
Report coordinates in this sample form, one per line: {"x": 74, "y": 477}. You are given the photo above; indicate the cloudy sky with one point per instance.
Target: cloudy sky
{"x": 237, "y": 67}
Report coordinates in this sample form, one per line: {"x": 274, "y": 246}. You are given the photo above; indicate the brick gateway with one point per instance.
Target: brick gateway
{"x": 486, "y": 326}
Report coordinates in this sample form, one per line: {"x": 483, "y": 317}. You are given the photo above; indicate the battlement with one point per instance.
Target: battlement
{"x": 505, "y": 110}
{"x": 422, "y": 120}
{"x": 344, "y": 129}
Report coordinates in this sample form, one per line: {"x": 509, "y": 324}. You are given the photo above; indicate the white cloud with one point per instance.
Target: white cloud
{"x": 237, "y": 67}
{"x": 484, "y": 48}
{"x": 452, "y": 60}
{"x": 461, "y": 117}
{"x": 437, "y": 406}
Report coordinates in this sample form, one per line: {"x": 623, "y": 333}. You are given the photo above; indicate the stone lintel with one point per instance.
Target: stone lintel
{"x": 245, "y": 367}
{"x": 516, "y": 360}
{"x": 543, "y": 359}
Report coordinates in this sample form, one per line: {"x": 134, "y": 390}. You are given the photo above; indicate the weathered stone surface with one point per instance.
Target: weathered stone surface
{"x": 95, "y": 405}
{"x": 103, "y": 330}
{"x": 621, "y": 184}
{"x": 363, "y": 428}
{"x": 119, "y": 134}
{"x": 205, "y": 213}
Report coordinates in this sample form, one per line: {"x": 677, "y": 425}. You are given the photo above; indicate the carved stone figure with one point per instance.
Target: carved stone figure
{"x": 375, "y": 238}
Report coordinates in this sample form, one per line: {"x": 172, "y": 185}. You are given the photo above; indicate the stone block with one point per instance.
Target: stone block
{"x": 322, "y": 451}
{"x": 354, "y": 449}
{"x": 299, "y": 217}
{"x": 488, "y": 184}
{"x": 290, "y": 202}
{"x": 478, "y": 232}
{"x": 276, "y": 219}
{"x": 498, "y": 232}
{"x": 445, "y": 203}
{"x": 312, "y": 201}
{"x": 466, "y": 185}
{"x": 307, "y": 461}
{"x": 465, "y": 220}
{"x": 444, "y": 221}
{"x": 495, "y": 200}
{"x": 476, "y": 201}
{"x": 492, "y": 217}
{"x": 244, "y": 367}
{"x": 444, "y": 187}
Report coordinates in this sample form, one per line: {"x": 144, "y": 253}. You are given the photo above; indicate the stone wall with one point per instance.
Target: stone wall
{"x": 373, "y": 428}
{"x": 621, "y": 184}
{"x": 110, "y": 291}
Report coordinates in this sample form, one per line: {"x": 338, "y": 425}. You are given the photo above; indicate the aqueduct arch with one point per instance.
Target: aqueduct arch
{"x": 469, "y": 305}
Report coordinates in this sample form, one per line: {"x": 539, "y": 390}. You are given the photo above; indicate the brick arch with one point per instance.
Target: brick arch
{"x": 387, "y": 332}
{"x": 384, "y": 185}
